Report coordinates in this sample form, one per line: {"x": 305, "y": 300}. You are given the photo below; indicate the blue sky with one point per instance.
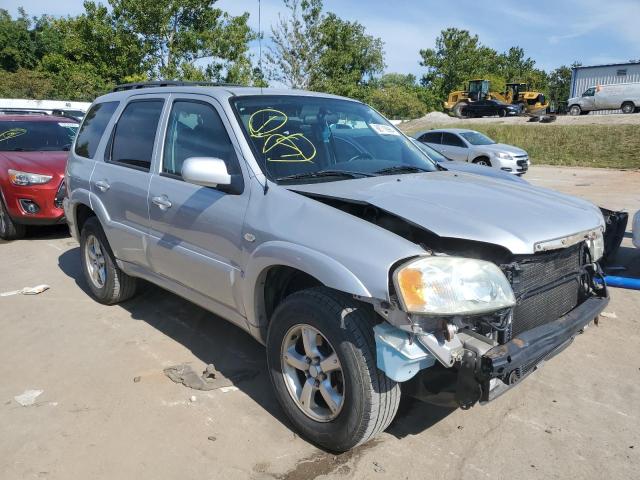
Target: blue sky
{"x": 552, "y": 32}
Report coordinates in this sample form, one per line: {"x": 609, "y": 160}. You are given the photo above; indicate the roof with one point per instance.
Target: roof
{"x": 581, "y": 67}
{"x": 452, "y": 130}
{"x": 34, "y": 118}
{"x": 221, "y": 90}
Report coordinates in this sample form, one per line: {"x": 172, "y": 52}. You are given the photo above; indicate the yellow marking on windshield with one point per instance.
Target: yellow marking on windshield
{"x": 296, "y": 142}
{"x": 12, "y": 133}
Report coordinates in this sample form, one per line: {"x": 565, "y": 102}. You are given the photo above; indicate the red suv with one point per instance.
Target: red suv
{"x": 33, "y": 156}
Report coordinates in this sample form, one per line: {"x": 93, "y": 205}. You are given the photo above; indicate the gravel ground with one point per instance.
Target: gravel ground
{"x": 440, "y": 119}
{"x": 107, "y": 411}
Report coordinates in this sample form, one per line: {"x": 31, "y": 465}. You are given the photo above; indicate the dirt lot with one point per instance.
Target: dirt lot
{"x": 578, "y": 417}
{"x": 439, "y": 119}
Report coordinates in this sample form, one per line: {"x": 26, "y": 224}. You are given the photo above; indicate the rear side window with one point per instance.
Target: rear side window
{"x": 93, "y": 127}
{"x": 452, "y": 140}
{"x": 431, "y": 137}
{"x": 135, "y": 133}
{"x": 196, "y": 130}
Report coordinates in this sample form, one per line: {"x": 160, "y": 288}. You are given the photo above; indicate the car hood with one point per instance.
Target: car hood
{"x": 501, "y": 147}
{"x": 46, "y": 163}
{"x": 466, "y": 206}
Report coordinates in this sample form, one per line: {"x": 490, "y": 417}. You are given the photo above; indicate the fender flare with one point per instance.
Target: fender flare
{"x": 325, "y": 269}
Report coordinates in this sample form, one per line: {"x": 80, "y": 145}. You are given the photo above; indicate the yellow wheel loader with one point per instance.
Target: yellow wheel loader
{"x": 480, "y": 89}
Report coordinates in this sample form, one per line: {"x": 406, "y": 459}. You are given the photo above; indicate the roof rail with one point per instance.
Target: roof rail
{"x": 170, "y": 83}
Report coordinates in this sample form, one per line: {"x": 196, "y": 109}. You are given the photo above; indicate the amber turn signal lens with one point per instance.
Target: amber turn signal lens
{"x": 410, "y": 284}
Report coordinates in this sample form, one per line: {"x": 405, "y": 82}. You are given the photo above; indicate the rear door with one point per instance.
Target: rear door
{"x": 453, "y": 147}
{"x": 121, "y": 181}
{"x": 195, "y": 231}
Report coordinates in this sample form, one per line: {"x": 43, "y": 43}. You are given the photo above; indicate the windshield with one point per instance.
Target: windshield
{"x": 38, "y": 136}
{"x": 476, "y": 138}
{"x": 307, "y": 137}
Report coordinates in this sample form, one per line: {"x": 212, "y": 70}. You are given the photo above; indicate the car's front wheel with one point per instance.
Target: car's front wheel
{"x": 9, "y": 230}
{"x": 107, "y": 282}
{"x": 321, "y": 356}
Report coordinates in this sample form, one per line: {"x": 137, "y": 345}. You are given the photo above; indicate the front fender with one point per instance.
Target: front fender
{"x": 280, "y": 253}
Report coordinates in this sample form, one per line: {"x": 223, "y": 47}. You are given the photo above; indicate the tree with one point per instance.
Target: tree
{"x": 16, "y": 45}
{"x": 295, "y": 48}
{"x": 397, "y": 102}
{"x": 348, "y": 59}
{"x": 457, "y": 57}
{"x": 559, "y": 84}
{"x": 177, "y": 33}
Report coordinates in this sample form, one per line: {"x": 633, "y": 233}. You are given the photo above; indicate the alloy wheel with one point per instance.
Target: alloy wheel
{"x": 95, "y": 261}
{"x": 312, "y": 373}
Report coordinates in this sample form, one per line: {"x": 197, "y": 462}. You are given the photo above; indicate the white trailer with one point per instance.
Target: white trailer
{"x": 623, "y": 96}
{"x": 49, "y": 107}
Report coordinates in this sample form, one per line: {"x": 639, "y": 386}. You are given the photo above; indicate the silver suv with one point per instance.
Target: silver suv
{"x": 315, "y": 225}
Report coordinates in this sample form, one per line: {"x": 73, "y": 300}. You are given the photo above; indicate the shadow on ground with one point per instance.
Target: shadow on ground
{"x": 234, "y": 352}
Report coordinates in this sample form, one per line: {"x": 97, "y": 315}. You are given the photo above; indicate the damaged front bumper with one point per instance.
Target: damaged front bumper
{"x": 483, "y": 377}
{"x": 484, "y": 370}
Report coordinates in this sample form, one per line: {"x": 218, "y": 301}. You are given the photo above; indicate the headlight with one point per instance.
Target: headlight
{"x": 504, "y": 156}
{"x": 595, "y": 242}
{"x": 24, "y": 178}
{"x": 452, "y": 286}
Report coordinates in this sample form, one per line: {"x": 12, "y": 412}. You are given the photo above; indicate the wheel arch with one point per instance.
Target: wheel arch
{"x": 277, "y": 269}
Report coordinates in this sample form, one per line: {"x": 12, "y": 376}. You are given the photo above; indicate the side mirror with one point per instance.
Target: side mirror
{"x": 205, "y": 171}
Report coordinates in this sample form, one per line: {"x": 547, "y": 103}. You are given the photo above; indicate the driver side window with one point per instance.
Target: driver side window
{"x": 589, "y": 93}
{"x": 452, "y": 140}
{"x": 196, "y": 130}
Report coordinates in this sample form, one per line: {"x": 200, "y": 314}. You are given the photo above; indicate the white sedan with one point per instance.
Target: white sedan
{"x": 475, "y": 147}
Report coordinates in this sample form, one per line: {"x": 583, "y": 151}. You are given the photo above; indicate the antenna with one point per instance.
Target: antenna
{"x": 260, "y": 44}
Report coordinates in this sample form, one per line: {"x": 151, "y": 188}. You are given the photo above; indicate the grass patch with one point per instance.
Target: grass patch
{"x": 610, "y": 146}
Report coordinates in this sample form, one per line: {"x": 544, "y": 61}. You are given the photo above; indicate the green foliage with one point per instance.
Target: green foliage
{"x": 17, "y": 50}
{"x": 397, "y": 102}
{"x": 559, "y": 84}
{"x": 176, "y": 33}
{"x": 457, "y": 57}
{"x": 295, "y": 49}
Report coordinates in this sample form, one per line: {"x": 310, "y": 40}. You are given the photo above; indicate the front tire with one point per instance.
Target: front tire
{"x": 575, "y": 110}
{"x": 108, "y": 284}
{"x": 483, "y": 161}
{"x": 9, "y": 230}
{"x": 322, "y": 363}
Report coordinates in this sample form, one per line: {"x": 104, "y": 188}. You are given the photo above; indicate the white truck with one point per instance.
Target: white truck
{"x": 614, "y": 96}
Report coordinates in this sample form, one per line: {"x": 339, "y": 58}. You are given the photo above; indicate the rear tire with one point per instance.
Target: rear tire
{"x": 575, "y": 110}
{"x": 9, "y": 230}
{"x": 338, "y": 325}
{"x": 628, "y": 107}
{"x": 108, "y": 284}
{"x": 502, "y": 113}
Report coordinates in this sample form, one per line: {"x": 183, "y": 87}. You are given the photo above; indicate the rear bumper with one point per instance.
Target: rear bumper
{"x": 483, "y": 377}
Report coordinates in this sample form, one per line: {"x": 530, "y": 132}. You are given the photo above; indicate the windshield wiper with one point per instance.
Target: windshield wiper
{"x": 324, "y": 173}
{"x": 402, "y": 169}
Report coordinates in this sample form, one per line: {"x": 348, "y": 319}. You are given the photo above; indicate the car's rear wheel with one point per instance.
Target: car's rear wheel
{"x": 108, "y": 284}
{"x": 502, "y": 112}
{"x": 484, "y": 161}
{"x": 628, "y": 107}
{"x": 9, "y": 230}
{"x": 322, "y": 363}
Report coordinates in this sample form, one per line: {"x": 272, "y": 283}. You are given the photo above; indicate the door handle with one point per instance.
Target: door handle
{"x": 162, "y": 202}
{"x": 102, "y": 185}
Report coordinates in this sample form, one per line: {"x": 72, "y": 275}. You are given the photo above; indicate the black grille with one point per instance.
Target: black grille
{"x": 546, "y": 286}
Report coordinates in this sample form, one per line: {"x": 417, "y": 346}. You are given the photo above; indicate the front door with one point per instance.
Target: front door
{"x": 195, "y": 232}
{"x": 453, "y": 147}
{"x": 122, "y": 179}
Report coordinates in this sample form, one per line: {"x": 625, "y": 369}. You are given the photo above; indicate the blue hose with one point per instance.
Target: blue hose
{"x": 622, "y": 282}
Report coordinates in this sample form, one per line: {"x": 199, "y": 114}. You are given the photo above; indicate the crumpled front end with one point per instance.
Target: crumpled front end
{"x": 475, "y": 358}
